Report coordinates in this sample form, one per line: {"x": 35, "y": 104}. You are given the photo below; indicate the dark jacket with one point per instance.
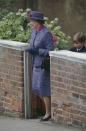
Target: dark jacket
{"x": 80, "y": 50}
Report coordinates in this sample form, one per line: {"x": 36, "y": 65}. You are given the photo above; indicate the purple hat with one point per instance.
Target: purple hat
{"x": 35, "y": 15}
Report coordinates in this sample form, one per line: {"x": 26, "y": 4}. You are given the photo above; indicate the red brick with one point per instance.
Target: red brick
{"x": 68, "y": 87}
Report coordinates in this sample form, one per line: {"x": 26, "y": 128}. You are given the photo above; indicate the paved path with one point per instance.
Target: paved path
{"x": 10, "y": 124}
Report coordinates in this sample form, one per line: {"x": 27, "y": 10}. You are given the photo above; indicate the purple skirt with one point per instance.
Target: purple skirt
{"x": 41, "y": 82}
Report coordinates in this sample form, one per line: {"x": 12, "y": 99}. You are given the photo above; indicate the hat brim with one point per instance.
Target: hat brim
{"x": 35, "y": 18}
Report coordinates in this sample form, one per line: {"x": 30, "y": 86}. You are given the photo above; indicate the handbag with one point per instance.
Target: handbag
{"x": 46, "y": 64}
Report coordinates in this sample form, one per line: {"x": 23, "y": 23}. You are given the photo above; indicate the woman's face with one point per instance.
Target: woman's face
{"x": 34, "y": 24}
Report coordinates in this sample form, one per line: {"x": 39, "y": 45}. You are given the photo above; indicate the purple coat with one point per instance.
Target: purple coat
{"x": 43, "y": 42}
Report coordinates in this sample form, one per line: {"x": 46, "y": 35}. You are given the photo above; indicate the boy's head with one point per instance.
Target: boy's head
{"x": 79, "y": 40}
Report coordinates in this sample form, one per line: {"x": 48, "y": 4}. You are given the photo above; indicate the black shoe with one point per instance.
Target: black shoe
{"x": 45, "y": 119}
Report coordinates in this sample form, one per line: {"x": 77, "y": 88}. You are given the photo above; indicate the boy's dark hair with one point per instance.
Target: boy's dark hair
{"x": 80, "y": 36}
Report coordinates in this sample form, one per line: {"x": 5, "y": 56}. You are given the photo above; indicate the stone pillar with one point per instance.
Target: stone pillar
{"x": 68, "y": 87}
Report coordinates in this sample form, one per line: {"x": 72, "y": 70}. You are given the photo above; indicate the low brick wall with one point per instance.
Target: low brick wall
{"x": 11, "y": 79}
{"x": 68, "y": 87}
{"x": 16, "y": 98}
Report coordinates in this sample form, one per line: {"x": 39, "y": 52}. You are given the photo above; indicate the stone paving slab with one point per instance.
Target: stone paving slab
{"x": 11, "y": 124}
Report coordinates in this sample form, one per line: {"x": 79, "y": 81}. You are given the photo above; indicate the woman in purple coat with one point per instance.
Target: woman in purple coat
{"x": 40, "y": 44}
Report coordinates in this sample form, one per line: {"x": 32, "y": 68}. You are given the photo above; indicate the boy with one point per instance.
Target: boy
{"x": 79, "y": 43}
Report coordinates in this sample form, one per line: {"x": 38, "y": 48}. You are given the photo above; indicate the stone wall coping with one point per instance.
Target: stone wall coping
{"x": 13, "y": 44}
{"x": 74, "y": 56}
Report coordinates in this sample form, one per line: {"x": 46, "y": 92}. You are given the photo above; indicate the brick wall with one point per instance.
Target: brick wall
{"x": 68, "y": 86}
{"x": 16, "y": 98}
{"x": 11, "y": 82}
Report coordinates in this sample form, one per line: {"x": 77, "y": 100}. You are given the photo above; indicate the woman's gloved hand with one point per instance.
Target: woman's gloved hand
{"x": 32, "y": 51}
